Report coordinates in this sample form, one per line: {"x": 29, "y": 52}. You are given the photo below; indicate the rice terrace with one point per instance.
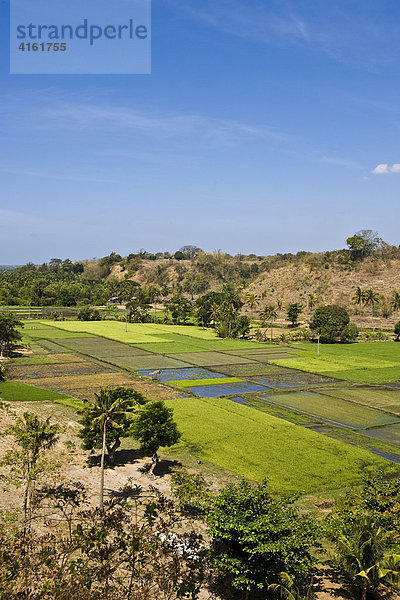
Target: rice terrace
{"x": 236, "y": 401}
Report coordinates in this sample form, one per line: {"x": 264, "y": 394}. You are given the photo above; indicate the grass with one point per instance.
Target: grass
{"x": 367, "y": 362}
{"x": 217, "y": 381}
{"x": 332, "y": 409}
{"x": 34, "y": 359}
{"x": 161, "y": 339}
{"x": 389, "y": 434}
{"x": 386, "y": 399}
{"x": 12, "y": 391}
{"x": 256, "y": 445}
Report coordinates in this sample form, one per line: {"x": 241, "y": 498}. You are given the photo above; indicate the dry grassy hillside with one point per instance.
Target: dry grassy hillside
{"x": 336, "y": 284}
{"x": 291, "y": 278}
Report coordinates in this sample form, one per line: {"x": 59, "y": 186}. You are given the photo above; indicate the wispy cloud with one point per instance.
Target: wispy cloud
{"x": 348, "y": 32}
{"x": 385, "y": 169}
{"x": 87, "y": 116}
{"x": 59, "y": 176}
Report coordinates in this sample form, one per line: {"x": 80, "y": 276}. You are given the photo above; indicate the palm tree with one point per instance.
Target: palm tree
{"x": 395, "y": 303}
{"x": 365, "y": 554}
{"x": 269, "y": 314}
{"x": 279, "y": 304}
{"x": 370, "y": 299}
{"x": 359, "y": 299}
{"x": 252, "y": 301}
{"x": 312, "y": 301}
{"x": 104, "y": 410}
{"x": 288, "y": 590}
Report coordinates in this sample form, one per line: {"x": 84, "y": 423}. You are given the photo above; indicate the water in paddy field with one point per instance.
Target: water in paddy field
{"x": 239, "y": 400}
{"x": 183, "y": 374}
{"x": 388, "y": 455}
{"x": 226, "y": 389}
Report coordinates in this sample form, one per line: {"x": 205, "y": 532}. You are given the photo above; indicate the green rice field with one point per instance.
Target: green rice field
{"x": 253, "y": 436}
{"x": 256, "y": 445}
{"x": 386, "y": 399}
{"x": 13, "y": 391}
{"x": 366, "y": 362}
{"x": 331, "y": 409}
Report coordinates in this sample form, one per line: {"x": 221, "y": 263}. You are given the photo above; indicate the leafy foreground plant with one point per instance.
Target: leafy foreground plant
{"x": 366, "y": 555}
{"x": 130, "y": 550}
{"x": 33, "y": 436}
{"x": 255, "y": 537}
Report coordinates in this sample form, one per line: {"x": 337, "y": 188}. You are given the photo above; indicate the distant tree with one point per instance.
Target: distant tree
{"x": 359, "y": 298}
{"x": 189, "y": 251}
{"x": 363, "y": 244}
{"x": 395, "y": 303}
{"x": 179, "y": 255}
{"x": 9, "y": 333}
{"x": 255, "y": 536}
{"x": 180, "y": 308}
{"x": 252, "y": 300}
{"x": 397, "y": 331}
{"x": 371, "y": 299}
{"x": 155, "y": 428}
{"x": 242, "y": 327}
{"x": 269, "y": 314}
{"x": 331, "y": 323}
{"x": 279, "y": 304}
{"x": 312, "y": 301}
{"x": 350, "y": 333}
{"x": 87, "y": 313}
{"x": 293, "y": 312}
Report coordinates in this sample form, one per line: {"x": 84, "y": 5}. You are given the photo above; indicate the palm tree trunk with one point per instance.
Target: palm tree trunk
{"x": 364, "y": 588}
{"x": 103, "y": 452}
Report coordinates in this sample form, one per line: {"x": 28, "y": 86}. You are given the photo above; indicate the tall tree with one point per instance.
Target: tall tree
{"x": 395, "y": 303}
{"x": 371, "y": 299}
{"x": 107, "y": 412}
{"x": 293, "y": 312}
{"x": 268, "y": 315}
{"x": 359, "y": 298}
{"x": 252, "y": 300}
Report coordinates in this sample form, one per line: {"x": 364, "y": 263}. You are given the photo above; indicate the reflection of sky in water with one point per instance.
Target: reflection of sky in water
{"x": 211, "y": 391}
{"x": 183, "y": 374}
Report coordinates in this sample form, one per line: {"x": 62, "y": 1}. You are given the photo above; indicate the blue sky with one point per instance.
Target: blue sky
{"x": 259, "y": 130}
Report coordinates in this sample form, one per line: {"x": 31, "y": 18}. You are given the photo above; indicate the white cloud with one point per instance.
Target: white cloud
{"x": 385, "y": 169}
{"x": 381, "y": 169}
